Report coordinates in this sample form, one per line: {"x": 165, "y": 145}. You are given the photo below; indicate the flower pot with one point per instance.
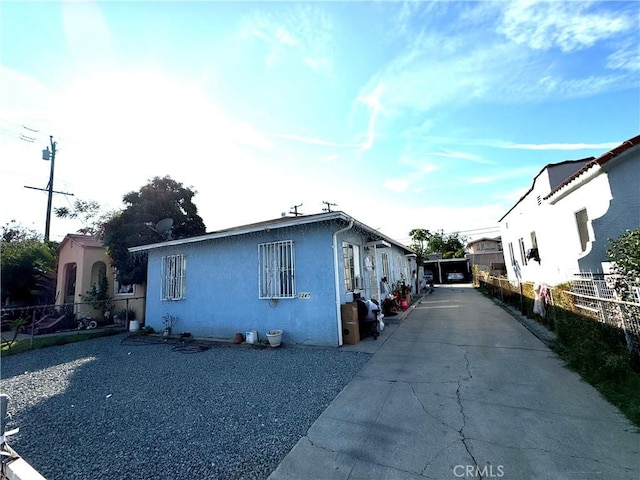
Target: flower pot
{"x": 274, "y": 337}
{"x": 238, "y": 338}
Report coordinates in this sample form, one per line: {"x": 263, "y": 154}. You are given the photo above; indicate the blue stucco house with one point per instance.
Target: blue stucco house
{"x": 291, "y": 273}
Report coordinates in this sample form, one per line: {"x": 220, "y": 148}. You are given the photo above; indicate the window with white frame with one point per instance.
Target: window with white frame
{"x": 122, "y": 288}
{"x": 385, "y": 264}
{"x": 277, "y": 270}
{"x": 352, "y": 273}
{"x": 174, "y": 269}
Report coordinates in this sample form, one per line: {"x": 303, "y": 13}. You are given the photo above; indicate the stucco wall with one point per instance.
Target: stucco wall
{"x": 222, "y": 289}
{"x": 612, "y": 201}
{"x": 222, "y": 286}
{"x": 85, "y": 257}
{"x": 556, "y": 232}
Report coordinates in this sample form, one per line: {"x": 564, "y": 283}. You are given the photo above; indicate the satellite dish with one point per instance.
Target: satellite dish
{"x": 163, "y": 227}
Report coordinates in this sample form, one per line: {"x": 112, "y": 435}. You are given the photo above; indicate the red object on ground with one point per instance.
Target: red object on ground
{"x": 404, "y": 303}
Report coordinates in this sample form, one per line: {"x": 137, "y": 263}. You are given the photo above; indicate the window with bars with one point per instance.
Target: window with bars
{"x": 277, "y": 270}
{"x": 174, "y": 269}
{"x": 352, "y": 273}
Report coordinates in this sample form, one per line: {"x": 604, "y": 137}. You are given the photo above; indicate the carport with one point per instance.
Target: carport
{"x": 442, "y": 266}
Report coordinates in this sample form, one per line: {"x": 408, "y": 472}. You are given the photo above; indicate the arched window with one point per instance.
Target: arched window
{"x": 98, "y": 271}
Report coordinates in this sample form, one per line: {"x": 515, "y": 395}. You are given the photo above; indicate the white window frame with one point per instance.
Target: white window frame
{"x": 385, "y": 265}
{"x": 277, "y": 277}
{"x": 117, "y": 286}
{"x": 352, "y": 268}
{"x": 173, "y": 271}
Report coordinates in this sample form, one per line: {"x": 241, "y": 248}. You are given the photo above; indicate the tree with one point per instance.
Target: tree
{"x": 27, "y": 265}
{"x": 625, "y": 252}
{"x": 419, "y": 241}
{"x": 88, "y": 212}
{"x": 425, "y": 242}
{"x": 14, "y": 231}
{"x": 160, "y": 198}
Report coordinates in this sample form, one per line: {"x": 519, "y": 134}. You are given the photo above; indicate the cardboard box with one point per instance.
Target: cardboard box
{"x": 350, "y": 327}
{"x": 349, "y": 312}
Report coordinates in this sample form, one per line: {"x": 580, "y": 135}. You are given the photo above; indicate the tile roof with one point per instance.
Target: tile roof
{"x": 601, "y": 160}
{"x": 590, "y": 163}
{"x": 84, "y": 240}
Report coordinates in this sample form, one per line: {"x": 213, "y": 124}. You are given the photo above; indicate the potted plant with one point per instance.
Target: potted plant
{"x": 168, "y": 321}
{"x": 274, "y": 337}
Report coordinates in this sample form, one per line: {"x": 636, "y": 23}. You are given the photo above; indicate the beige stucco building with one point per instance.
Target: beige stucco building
{"x": 82, "y": 260}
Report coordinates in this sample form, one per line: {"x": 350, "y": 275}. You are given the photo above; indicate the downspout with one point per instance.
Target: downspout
{"x": 337, "y": 279}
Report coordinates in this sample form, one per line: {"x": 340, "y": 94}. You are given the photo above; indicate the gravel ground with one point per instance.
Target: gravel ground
{"x": 117, "y": 407}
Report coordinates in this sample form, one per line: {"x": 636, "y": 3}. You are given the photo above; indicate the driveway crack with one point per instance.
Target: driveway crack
{"x": 461, "y": 432}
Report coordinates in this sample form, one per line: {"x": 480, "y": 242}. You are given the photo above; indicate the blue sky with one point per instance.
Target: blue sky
{"x": 405, "y": 114}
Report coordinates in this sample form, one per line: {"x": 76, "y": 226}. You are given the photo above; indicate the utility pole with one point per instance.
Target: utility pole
{"x": 49, "y": 155}
{"x": 49, "y": 187}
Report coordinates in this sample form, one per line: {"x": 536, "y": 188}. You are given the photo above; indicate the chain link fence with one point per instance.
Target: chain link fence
{"x": 612, "y": 299}
{"x": 43, "y": 319}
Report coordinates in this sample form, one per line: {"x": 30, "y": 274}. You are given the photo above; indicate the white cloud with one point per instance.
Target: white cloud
{"x": 462, "y": 156}
{"x": 560, "y": 146}
{"x": 87, "y": 34}
{"x": 448, "y": 66}
{"x": 569, "y": 26}
{"x": 416, "y": 169}
{"x": 399, "y": 185}
{"x": 285, "y": 37}
{"x": 524, "y": 172}
{"x": 372, "y": 101}
{"x": 304, "y": 31}
{"x": 626, "y": 57}
{"x": 315, "y": 141}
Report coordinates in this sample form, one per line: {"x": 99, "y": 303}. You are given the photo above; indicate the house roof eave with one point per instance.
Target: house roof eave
{"x": 283, "y": 222}
{"x": 533, "y": 184}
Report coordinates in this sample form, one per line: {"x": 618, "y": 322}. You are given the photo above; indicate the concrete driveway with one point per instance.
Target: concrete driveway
{"x": 460, "y": 389}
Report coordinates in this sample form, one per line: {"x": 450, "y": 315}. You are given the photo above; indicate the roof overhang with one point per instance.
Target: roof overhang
{"x": 378, "y": 244}
{"x": 286, "y": 222}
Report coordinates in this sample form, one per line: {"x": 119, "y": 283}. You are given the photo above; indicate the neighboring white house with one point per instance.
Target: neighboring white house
{"x": 564, "y": 222}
